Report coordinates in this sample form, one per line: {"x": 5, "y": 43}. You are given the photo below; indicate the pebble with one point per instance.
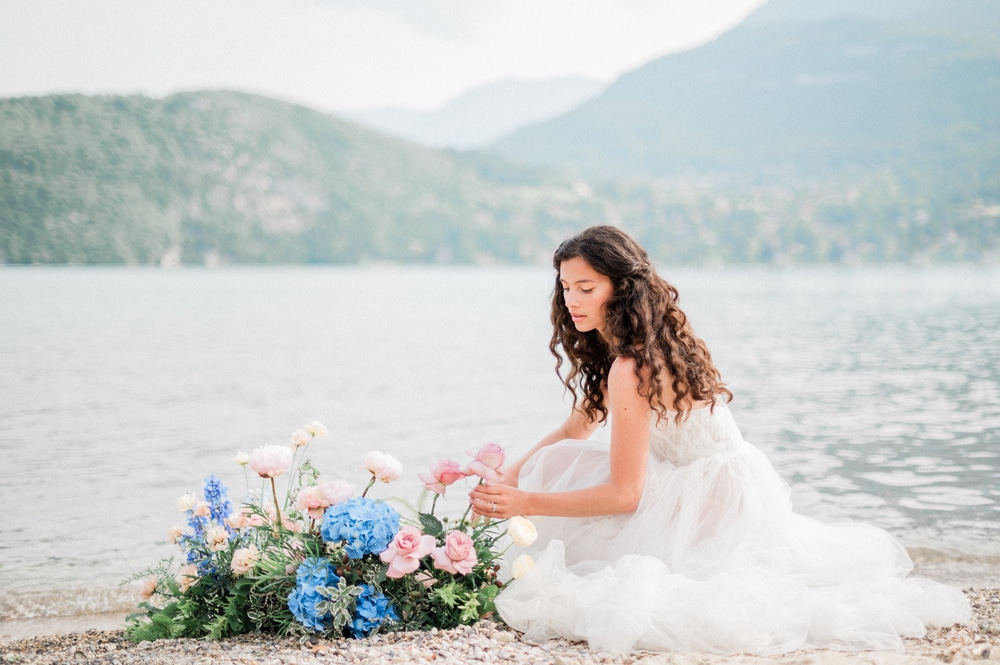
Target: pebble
{"x": 976, "y": 642}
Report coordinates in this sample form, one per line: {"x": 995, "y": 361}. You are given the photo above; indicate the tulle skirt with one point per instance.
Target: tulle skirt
{"x": 713, "y": 560}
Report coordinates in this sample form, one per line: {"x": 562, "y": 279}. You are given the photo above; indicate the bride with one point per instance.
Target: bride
{"x": 679, "y": 535}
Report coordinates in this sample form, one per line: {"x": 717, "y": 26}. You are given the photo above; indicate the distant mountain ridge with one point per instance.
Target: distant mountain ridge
{"x": 483, "y": 114}
{"x": 804, "y": 89}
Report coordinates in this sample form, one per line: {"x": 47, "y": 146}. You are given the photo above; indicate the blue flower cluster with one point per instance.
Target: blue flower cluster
{"x": 218, "y": 500}
{"x": 219, "y": 508}
{"x": 371, "y": 611}
{"x": 364, "y": 526}
{"x": 313, "y": 572}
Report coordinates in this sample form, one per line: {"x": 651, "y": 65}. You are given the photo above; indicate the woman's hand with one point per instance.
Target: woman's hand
{"x": 498, "y": 501}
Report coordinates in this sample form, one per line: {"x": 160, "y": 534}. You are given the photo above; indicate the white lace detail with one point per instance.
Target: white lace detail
{"x": 705, "y": 432}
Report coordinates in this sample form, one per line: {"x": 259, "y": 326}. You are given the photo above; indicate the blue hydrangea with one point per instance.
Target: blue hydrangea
{"x": 313, "y": 572}
{"x": 371, "y": 611}
{"x": 365, "y": 526}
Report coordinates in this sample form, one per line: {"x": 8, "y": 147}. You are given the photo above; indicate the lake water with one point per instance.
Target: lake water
{"x": 874, "y": 391}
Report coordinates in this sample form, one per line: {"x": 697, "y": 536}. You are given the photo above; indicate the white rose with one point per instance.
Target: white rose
{"x": 382, "y": 466}
{"x": 521, "y": 531}
{"x": 521, "y": 566}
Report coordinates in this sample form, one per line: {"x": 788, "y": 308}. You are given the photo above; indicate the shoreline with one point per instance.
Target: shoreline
{"x": 977, "y": 640}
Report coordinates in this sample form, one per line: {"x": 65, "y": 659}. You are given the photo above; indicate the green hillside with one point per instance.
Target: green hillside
{"x": 825, "y": 130}
{"x": 227, "y": 177}
{"x": 814, "y": 99}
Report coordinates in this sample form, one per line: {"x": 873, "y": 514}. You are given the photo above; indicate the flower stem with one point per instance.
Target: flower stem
{"x": 465, "y": 515}
{"x": 277, "y": 509}
{"x": 370, "y": 483}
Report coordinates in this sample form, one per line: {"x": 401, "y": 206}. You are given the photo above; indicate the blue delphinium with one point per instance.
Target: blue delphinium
{"x": 364, "y": 526}
{"x": 313, "y": 572}
{"x": 371, "y": 611}
{"x": 217, "y": 499}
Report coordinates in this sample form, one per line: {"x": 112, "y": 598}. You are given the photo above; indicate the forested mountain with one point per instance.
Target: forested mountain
{"x": 805, "y": 88}
{"x": 218, "y": 176}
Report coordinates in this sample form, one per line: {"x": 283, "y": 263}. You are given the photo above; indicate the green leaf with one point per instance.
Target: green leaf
{"x": 431, "y": 525}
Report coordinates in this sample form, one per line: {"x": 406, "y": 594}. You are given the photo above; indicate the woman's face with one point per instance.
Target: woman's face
{"x": 585, "y": 292}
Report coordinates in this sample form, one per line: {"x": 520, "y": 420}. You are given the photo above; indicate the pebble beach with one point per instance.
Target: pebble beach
{"x": 976, "y": 641}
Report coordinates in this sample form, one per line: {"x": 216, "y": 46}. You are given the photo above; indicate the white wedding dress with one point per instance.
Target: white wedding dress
{"x": 713, "y": 559}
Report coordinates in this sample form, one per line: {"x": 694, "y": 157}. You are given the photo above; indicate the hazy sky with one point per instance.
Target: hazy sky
{"x": 338, "y": 54}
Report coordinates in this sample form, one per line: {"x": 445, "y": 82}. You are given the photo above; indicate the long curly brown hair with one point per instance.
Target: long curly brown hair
{"x": 642, "y": 322}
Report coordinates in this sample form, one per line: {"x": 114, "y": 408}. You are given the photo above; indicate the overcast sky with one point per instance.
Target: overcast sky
{"x": 338, "y": 55}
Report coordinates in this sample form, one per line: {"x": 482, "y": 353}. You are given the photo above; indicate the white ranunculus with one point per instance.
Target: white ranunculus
{"x": 316, "y": 428}
{"x": 300, "y": 437}
{"x": 521, "y": 566}
{"x": 382, "y": 466}
{"x": 521, "y": 531}
{"x": 186, "y": 502}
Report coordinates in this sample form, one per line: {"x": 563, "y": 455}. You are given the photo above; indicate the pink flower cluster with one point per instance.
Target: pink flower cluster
{"x": 315, "y": 499}
{"x": 457, "y": 556}
{"x": 487, "y": 463}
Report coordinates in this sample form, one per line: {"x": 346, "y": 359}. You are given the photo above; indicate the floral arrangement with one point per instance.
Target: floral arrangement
{"x": 323, "y": 559}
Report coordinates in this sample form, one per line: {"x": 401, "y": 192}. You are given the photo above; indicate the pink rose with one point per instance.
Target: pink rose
{"x": 271, "y": 461}
{"x": 442, "y": 474}
{"x": 405, "y": 551}
{"x": 457, "y": 556}
{"x": 382, "y": 466}
{"x": 487, "y": 463}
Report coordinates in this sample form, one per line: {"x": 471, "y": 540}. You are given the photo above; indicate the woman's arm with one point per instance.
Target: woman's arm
{"x": 629, "y": 445}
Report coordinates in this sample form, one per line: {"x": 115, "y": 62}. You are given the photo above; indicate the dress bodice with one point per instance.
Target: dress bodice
{"x": 706, "y": 431}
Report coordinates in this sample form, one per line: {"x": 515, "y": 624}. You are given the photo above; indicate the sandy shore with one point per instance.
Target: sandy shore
{"x": 977, "y": 641}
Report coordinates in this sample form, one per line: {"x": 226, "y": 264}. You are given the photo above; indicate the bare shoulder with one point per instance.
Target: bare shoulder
{"x": 623, "y": 383}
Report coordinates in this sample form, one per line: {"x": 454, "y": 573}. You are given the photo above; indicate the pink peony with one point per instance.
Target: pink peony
{"x": 336, "y": 491}
{"x": 311, "y": 500}
{"x": 148, "y": 587}
{"x": 442, "y": 474}
{"x": 405, "y": 551}
{"x": 271, "y": 461}
{"x": 457, "y": 556}
{"x": 382, "y": 466}
{"x": 487, "y": 463}
{"x": 244, "y": 560}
